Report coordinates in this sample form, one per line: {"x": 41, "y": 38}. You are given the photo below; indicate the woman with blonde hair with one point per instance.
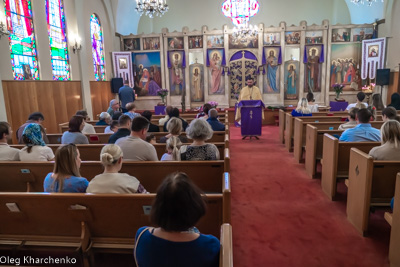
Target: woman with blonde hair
{"x": 174, "y": 127}
{"x": 390, "y": 148}
{"x": 111, "y": 181}
{"x": 65, "y": 177}
{"x": 302, "y": 109}
{"x": 173, "y": 149}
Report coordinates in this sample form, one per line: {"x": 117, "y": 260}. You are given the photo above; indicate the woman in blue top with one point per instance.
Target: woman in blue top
{"x": 302, "y": 109}
{"x": 65, "y": 177}
{"x": 176, "y": 242}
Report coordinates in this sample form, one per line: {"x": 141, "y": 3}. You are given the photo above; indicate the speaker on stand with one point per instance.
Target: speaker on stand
{"x": 116, "y": 83}
{"x": 382, "y": 79}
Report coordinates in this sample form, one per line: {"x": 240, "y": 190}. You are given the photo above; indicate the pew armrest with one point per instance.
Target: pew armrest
{"x": 226, "y": 252}
{"x": 389, "y": 217}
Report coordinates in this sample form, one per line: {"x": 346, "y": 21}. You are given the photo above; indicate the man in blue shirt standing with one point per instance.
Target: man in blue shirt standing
{"x": 126, "y": 95}
{"x": 213, "y": 120}
{"x": 363, "y": 132}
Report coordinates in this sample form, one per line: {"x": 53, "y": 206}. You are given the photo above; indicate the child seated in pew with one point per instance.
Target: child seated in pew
{"x": 390, "y": 148}
{"x": 311, "y": 102}
{"x": 111, "y": 181}
{"x": 173, "y": 149}
{"x": 35, "y": 149}
{"x": 352, "y": 120}
{"x": 175, "y": 241}
{"x": 65, "y": 177}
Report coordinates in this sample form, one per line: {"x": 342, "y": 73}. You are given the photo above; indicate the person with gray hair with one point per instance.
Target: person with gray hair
{"x": 104, "y": 119}
{"x": 216, "y": 125}
{"x": 200, "y": 131}
{"x": 114, "y": 107}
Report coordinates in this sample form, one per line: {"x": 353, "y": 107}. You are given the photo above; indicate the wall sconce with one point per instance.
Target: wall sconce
{"x": 3, "y": 29}
{"x": 77, "y": 45}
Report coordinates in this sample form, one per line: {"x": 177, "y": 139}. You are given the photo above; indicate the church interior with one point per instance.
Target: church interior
{"x": 59, "y": 57}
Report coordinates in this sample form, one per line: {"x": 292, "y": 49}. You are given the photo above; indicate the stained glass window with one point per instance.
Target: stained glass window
{"x": 97, "y": 48}
{"x": 240, "y": 11}
{"x": 58, "y": 39}
{"x": 22, "y": 39}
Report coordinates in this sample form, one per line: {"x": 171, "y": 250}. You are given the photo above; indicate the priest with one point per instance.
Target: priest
{"x": 250, "y": 92}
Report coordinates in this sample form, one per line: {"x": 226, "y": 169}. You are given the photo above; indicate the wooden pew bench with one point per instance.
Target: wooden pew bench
{"x": 290, "y": 126}
{"x": 314, "y": 145}
{"x": 394, "y": 220}
{"x": 336, "y": 159}
{"x": 300, "y": 133}
{"x": 91, "y": 222}
{"x": 371, "y": 183}
{"x": 102, "y": 138}
{"x": 226, "y": 252}
{"x": 28, "y": 176}
{"x": 91, "y": 152}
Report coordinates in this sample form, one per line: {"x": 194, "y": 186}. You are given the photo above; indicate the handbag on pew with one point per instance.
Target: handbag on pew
{"x": 137, "y": 242}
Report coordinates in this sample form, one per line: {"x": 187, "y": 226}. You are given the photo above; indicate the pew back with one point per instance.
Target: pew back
{"x": 336, "y": 159}
{"x": 29, "y": 176}
{"x": 371, "y": 183}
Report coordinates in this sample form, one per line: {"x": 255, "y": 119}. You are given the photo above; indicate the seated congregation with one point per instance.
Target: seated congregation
{"x": 179, "y": 203}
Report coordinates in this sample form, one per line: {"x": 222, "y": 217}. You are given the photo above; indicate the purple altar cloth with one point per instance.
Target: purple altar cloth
{"x": 159, "y": 110}
{"x": 251, "y": 121}
{"x": 338, "y": 106}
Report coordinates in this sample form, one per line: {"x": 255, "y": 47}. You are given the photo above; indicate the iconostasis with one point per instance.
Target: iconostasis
{"x": 286, "y": 61}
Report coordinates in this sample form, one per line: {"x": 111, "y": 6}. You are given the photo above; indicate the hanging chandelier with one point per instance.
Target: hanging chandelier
{"x": 151, "y": 7}
{"x": 245, "y": 31}
{"x": 368, "y": 2}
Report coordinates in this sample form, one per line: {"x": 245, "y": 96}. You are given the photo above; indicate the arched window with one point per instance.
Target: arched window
{"x": 58, "y": 39}
{"x": 22, "y": 39}
{"x": 97, "y": 48}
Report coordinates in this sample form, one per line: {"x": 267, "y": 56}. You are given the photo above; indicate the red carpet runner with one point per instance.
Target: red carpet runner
{"x": 280, "y": 217}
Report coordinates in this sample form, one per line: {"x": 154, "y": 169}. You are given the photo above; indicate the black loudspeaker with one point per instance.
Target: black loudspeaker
{"x": 382, "y": 76}
{"x": 116, "y": 83}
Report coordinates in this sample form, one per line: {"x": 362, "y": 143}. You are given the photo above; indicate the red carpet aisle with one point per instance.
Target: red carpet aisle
{"x": 280, "y": 217}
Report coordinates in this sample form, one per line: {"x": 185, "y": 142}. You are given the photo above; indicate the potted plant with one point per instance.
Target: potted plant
{"x": 162, "y": 93}
{"x": 338, "y": 90}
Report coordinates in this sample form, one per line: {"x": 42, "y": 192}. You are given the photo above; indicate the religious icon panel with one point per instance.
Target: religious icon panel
{"x": 151, "y": 43}
{"x": 215, "y": 41}
{"x": 131, "y": 44}
{"x": 272, "y": 73}
{"x": 272, "y": 38}
{"x": 195, "y": 42}
{"x": 313, "y": 68}
{"x": 147, "y": 73}
{"x": 175, "y": 43}
{"x": 341, "y": 35}
{"x": 314, "y": 37}
{"x": 292, "y": 37}
{"x": 291, "y": 73}
{"x": 345, "y": 66}
{"x": 216, "y": 82}
{"x": 360, "y": 34}
{"x": 176, "y": 72}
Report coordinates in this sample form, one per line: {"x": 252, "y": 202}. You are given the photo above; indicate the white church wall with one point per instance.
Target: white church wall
{"x": 195, "y": 14}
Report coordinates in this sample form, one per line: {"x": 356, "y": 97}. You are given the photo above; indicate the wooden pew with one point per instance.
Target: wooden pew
{"x": 289, "y": 124}
{"x": 314, "y": 145}
{"x": 86, "y": 222}
{"x": 226, "y": 252}
{"x": 102, "y": 138}
{"x": 28, "y": 176}
{"x": 91, "y": 152}
{"x": 300, "y": 133}
{"x": 97, "y": 128}
{"x": 394, "y": 220}
{"x": 282, "y": 115}
{"x": 299, "y": 136}
{"x": 371, "y": 183}
{"x": 336, "y": 159}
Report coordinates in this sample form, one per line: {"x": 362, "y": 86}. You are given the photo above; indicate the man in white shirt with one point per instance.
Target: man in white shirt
{"x": 7, "y": 152}
{"x": 88, "y": 128}
{"x": 134, "y": 147}
{"x": 360, "y": 98}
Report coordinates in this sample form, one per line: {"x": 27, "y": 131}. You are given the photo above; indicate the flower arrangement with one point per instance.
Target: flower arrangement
{"x": 213, "y": 104}
{"x": 162, "y": 93}
{"x": 338, "y": 89}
